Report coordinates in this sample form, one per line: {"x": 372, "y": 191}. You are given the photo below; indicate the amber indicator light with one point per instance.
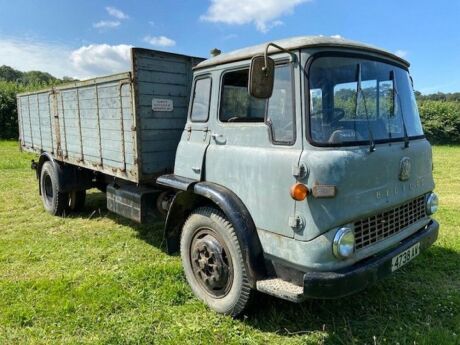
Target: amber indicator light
{"x": 299, "y": 191}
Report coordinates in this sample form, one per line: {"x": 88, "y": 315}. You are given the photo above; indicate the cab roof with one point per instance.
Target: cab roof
{"x": 295, "y": 43}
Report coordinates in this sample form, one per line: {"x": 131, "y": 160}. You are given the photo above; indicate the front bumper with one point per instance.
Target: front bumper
{"x": 366, "y": 272}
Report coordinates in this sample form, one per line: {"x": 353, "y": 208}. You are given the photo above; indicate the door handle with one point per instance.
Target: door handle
{"x": 219, "y": 138}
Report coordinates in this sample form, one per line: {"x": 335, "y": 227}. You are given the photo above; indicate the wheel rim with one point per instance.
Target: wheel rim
{"x": 48, "y": 188}
{"x": 211, "y": 263}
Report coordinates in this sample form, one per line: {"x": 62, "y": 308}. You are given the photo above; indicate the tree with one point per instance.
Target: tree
{"x": 9, "y": 74}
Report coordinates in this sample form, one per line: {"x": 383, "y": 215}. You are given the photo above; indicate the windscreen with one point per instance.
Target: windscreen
{"x": 356, "y": 101}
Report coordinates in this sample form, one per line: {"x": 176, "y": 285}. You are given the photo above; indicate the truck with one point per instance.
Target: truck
{"x": 297, "y": 168}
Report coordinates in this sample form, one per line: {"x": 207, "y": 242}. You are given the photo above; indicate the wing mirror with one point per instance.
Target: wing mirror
{"x": 261, "y": 77}
{"x": 262, "y": 73}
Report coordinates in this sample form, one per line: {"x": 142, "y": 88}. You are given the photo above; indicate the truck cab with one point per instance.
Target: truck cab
{"x": 318, "y": 144}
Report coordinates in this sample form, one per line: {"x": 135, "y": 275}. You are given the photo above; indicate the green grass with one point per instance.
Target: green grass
{"x": 97, "y": 278}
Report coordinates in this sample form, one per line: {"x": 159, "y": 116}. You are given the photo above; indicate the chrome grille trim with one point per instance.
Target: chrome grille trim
{"x": 377, "y": 227}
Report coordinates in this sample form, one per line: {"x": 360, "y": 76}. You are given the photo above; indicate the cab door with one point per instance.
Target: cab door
{"x": 256, "y": 145}
{"x": 196, "y": 135}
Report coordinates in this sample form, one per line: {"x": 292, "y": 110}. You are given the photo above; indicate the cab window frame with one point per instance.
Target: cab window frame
{"x": 279, "y": 62}
{"x": 287, "y": 62}
{"x": 221, "y": 93}
{"x": 195, "y": 81}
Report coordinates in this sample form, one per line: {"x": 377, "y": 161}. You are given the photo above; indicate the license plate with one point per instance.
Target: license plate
{"x": 400, "y": 260}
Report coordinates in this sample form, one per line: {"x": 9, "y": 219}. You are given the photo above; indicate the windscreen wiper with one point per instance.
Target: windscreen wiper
{"x": 359, "y": 91}
{"x": 397, "y": 97}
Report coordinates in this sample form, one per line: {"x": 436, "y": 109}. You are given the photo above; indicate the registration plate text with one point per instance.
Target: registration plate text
{"x": 406, "y": 256}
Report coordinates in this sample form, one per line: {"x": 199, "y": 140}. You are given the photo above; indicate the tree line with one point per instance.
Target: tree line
{"x": 31, "y": 78}
{"x": 13, "y": 82}
{"x": 439, "y": 96}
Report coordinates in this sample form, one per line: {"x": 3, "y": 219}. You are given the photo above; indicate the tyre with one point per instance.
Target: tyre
{"x": 77, "y": 200}
{"x": 213, "y": 263}
{"x": 55, "y": 202}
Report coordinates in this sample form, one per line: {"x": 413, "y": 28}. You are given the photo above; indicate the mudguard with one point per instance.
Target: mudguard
{"x": 231, "y": 205}
{"x": 175, "y": 181}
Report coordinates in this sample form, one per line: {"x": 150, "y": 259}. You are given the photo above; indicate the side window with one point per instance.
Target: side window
{"x": 280, "y": 112}
{"x": 201, "y": 98}
{"x": 236, "y": 103}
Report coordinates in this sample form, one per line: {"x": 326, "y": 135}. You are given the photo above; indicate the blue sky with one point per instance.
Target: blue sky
{"x": 86, "y": 38}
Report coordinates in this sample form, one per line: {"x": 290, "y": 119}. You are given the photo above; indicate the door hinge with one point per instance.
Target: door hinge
{"x": 297, "y": 222}
{"x": 300, "y": 171}
{"x": 205, "y": 133}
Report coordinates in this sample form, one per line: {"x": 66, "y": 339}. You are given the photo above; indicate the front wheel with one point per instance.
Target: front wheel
{"x": 213, "y": 262}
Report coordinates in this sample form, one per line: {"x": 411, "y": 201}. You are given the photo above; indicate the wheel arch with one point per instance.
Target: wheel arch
{"x": 212, "y": 194}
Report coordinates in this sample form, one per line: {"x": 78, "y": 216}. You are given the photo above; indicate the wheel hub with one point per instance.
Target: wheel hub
{"x": 210, "y": 263}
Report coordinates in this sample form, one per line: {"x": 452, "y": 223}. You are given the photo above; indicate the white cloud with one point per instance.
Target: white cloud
{"x": 106, "y": 24}
{"x": 262, "y": 13}
{"x": 115, "y": 12}
{"x": 61, "y": 60}
{"x": 160, "y": 41}
{"x": 337, "y": 36}
{"x": 401, "y": 53}
{"x": 111, "y": 24}
{"x": 99, "y": 59}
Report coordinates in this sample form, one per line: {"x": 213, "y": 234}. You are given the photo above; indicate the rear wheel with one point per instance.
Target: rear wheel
{"x": 213, "y": 262}
{"x": 77, "y": 200}
{"x": 54, "y": 201}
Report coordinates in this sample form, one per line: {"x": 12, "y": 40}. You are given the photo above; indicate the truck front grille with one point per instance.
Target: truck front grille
{"x": 382, "y": 225}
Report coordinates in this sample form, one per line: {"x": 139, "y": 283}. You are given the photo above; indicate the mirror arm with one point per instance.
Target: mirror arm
{"x": 293, "y": 56}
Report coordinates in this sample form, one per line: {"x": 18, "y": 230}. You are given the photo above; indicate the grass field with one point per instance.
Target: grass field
{"x": 97, "y": 278}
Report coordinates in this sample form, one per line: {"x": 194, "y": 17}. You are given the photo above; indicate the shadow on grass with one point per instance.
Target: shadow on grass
{"x": 420, "y": 299}
{"x": 96, "y": 208}
{"x": 400, "y": 305}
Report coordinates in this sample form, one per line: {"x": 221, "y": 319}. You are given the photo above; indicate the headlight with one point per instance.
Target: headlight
{"x": 344, "y": 243}
{"x": 431, "y": 203}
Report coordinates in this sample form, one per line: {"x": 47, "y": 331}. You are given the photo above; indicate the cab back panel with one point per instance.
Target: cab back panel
{"x": 160, "y": 76}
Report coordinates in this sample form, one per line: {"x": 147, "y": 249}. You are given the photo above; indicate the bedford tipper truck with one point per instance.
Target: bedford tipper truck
{"x": 297, "y": 168}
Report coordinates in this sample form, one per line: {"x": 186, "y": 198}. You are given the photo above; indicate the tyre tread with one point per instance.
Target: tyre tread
{"x": 60, "y": 200}
{"x": 246, "y": 292}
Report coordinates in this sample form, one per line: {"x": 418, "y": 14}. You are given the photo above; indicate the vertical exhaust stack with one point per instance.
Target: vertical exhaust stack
{"x": 215, "y": 52}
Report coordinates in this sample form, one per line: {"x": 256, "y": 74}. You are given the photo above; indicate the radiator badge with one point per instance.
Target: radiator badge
{"x": 404, "y": 168}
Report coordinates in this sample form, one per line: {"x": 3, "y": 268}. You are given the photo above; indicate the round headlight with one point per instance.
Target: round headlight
{"x": 432, "y": 203}
{"x": 344, "y": 243}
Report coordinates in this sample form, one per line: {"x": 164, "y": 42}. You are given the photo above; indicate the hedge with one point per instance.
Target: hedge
{"x": 441, "y": 121}
{"x": 8, "y": 111}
